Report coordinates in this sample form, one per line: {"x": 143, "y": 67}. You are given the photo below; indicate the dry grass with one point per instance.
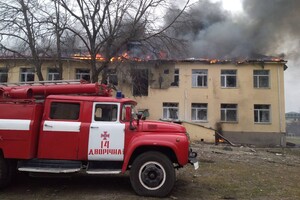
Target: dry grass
{"x": 224, "y": 173}
{"x": 245, "y": 173}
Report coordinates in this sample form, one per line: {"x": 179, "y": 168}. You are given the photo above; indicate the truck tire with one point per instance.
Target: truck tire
{"x": 152, "y": 174}
{"x": 6, "y": 172}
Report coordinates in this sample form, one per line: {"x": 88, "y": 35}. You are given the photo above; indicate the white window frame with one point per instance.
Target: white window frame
{"x": 169, "y": 109}
{"x": 201, "y": 74}
{"x": 196, "y": 108}
{"x": 79, "y": 75}
{"x": 259, "y": 112}
{"x": 112, "y": 74}
{"x": 258, "y": 78}
{"x": 29, "y": 71}
{"x": 225, "y": 111}
{"x": 225, "y": 75}
{"x": 51, "y": 75}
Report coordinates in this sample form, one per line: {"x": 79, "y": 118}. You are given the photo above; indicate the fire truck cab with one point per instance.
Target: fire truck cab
{"x": 56, "y": 129}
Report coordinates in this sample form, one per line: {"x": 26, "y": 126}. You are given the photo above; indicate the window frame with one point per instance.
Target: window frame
{"x": 116, "y": 118}
{"x": 257, "y": 78}
{"x": 225, "y": 75}
{"x": 196, "y": 109}
{"x": 3, "y": 75}
{"x": 79, "y": 73}
{"x": 26, "y": 71}
{"x": 64, "y": 105}
{"x": 52, "y": 74}
{"x": 175, "y": 82}
{"x": 170, "y": 106}
{"x": 199, "y": 75}
{"x": 112, "y": 77}
{"x": 225, "y": 109}
{"x": 258, "y": 112}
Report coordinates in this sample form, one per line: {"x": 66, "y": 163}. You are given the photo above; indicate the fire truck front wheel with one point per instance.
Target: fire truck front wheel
{"x": 152, "y": 174}
{"x": 5, "y": 172}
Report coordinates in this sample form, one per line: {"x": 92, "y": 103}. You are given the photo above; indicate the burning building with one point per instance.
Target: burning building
{"x": 241, "y": 100}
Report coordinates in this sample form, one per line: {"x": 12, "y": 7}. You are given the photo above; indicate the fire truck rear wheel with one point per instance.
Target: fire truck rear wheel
{"x": 6, "y": 172}
{"x": 152, "y": 174}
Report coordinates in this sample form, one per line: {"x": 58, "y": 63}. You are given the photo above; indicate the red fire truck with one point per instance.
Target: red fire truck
{"x": 68, "y": 128}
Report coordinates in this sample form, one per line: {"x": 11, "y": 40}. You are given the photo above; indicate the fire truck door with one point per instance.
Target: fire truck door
{"x": 106, "y": 137}
{"x": 59, "y": 134}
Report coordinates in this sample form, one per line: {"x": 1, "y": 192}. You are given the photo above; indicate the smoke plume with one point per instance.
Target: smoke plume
{"x": 265, "y": 28}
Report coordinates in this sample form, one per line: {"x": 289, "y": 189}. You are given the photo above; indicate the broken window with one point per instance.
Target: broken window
{"x": 261, "y": 113}
{"x": 53, "y": 74}
{"x": 229, "y": 112}
{"x": 261, "y": 78}
{"x": 199, "y": 111}
{"x": 3, "y": 75}
{"x": 140, "y": 82}
{"x": 199, "y": 78}
{"x": 27, "y": 74}
{"x": 83, "y": 74}
{"x": 170, "y": 111}
{"x": 176, "y": 78}
{"x": 228, "y": 78}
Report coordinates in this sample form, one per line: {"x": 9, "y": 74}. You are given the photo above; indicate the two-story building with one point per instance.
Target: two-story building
{"x": 244, "y": 101}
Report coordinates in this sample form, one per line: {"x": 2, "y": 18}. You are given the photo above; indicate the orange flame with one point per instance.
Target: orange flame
{"x": 99, "y": 57}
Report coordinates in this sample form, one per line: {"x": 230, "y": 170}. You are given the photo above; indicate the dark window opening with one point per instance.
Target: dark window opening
{"x": 112, "y": 76}
{"x": 27, "y": 74}
{"x": 228, "y": 78}
{"x": 53, "y": 74}
{"x": 229, "y": 112}
{"x": 176, "y": 78}
{"x": 3, "y": 75}
{"x": 83, "y": 74}
{"x": 63, "y": 110}
{"x": 140, "y": 82}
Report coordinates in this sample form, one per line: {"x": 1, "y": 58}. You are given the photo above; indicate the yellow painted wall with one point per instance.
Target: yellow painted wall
{"x": 244, "y": 95}
{"x": 199, "y": 133}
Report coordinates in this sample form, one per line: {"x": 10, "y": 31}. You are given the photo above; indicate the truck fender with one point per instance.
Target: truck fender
{"x": 136, "y": 143}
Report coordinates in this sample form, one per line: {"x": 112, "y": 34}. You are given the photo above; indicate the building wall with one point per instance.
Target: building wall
{"x": 245, "y": 130}
{"x": 244, "y": 95}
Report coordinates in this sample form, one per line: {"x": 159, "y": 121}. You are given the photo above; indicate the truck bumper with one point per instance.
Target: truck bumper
{"x": 193, "y": 159}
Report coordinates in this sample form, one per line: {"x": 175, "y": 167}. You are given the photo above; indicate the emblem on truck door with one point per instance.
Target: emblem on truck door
{"x": 106, "y": 135}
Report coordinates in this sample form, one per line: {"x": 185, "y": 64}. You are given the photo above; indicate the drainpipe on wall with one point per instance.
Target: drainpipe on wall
{"x": 185, "y": 105}
{"x": 282, "y": 139}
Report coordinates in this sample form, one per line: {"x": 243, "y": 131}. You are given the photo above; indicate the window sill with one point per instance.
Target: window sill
{"x": 230, "y": 122}
{"x": 199, "y": 121}
{"x": 205, "y": 87}
{"x": 262, "y": 123}
{"x": 262, "y": 88}
{"x": 229, "y": 87}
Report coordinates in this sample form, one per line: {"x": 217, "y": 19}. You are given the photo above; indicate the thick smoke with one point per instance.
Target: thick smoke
{"x": 265, "y": 28}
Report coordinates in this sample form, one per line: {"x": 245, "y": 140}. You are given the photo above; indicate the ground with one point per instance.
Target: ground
{"x": 225, "y": 173}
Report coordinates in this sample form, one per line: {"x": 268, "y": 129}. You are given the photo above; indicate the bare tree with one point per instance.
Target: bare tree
{"x": 22, "y": 32}
{"x": 106, "y": 26}
{"x": 56, "y": 21}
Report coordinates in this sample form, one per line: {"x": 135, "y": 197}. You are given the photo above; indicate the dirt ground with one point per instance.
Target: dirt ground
{"x": 225, "y": 173}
